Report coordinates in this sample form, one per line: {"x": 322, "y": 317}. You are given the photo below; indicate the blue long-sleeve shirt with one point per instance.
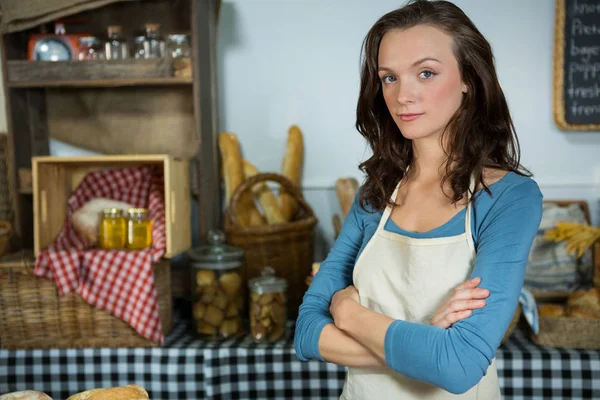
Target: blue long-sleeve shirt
{"x": 455, "y": 359}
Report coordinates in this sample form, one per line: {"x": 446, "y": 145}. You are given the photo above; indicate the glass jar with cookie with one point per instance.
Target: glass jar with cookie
{"x": 268, "y": 307}
{"x": 217, "y": 283}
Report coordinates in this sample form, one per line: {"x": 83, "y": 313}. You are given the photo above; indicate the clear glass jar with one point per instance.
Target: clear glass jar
{"x": 112, "y": 229}
{"x": 139, "y": 229}
{"x": 138, "y": 47}
{"x": 217, "y": 281}
{"x": 116, "y": 47}
{"x": 154, "y": 44}
{"x": 268, "y": 299}
{"x": 178, "y": 46}
{"x": 90, "y": 48}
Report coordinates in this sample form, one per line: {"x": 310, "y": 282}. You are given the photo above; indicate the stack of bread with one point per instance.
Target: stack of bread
{"x": 129, "y": 392}
{"x": 273, "y": 209}
{"x": 580, "y": 304}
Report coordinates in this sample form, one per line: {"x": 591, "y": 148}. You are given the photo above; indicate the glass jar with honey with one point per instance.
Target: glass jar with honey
{"x": 113, "y": 229}
{"x": 139, "y": 229}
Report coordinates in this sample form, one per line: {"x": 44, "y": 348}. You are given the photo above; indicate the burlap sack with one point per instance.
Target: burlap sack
{"x": 146, "y": 120}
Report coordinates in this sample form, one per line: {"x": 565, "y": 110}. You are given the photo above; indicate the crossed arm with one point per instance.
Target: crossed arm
{"x": 338, "y": 329}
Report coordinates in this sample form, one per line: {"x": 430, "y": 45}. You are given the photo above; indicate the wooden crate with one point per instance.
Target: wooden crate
{"x": 55, "y": 178}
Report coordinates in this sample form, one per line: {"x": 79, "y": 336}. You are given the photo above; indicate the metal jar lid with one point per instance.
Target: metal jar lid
{"x": 267, "y": 282}
{"x": 216, "y": 255}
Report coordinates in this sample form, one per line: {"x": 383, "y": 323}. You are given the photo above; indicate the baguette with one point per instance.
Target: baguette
{"x": 346, "y": 189}
{"x": 26, "y": 395}
{"x": 231, "y": 157}
{"x": 233, "y": 176}
{"x": 265, "y": 197}
{"x": 291, "y": 168}
{"x": 129, "y": 392}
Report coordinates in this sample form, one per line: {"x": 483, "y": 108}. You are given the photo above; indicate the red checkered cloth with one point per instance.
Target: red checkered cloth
{"x": 120, "y": 282}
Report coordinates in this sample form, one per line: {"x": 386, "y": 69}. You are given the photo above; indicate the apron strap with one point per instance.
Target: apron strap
{"x": 468, "y": 230}
{"x": 388, "y": 210}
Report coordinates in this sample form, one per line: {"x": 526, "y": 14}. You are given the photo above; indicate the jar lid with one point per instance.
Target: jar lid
{"x": 216, "y": 254}
{"x": 112, "y": 212}
{"x": 112, "y": 29}
{"x": 89, "y": 40}
{"x": 137, "y": 211}
{"x": 267, "y": 282}
{"x": 178, "y": 38}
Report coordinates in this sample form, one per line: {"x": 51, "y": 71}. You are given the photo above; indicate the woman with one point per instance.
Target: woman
{"x": 445, "y": 198}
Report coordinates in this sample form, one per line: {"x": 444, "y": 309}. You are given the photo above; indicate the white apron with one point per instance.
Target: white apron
{"x": 408, "y": 279}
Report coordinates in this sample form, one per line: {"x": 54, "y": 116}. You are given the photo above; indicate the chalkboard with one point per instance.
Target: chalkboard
{"x": 577, "y": 65}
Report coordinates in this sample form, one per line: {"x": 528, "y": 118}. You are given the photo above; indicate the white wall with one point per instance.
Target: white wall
{"x": 297, "y": 62}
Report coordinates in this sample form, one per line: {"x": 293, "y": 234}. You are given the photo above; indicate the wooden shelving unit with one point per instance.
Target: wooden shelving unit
{"x": 26, "y": 84}
{"x": 100, "y": 73}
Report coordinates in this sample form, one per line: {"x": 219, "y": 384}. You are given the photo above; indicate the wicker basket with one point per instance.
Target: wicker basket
{"x": 288, "y": 248}
{"x": 33, "y": 315}
{"x": 568, "y": 332}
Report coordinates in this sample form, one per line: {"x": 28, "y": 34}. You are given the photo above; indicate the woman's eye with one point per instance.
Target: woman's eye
{"x": 388, "y": 79}
{"x": 427, "y": 74}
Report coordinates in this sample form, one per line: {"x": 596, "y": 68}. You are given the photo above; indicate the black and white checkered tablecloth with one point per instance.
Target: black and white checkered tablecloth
{"x": 188, "y": 368}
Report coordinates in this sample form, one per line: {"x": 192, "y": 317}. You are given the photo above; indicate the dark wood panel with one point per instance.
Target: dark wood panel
{"x": 173, "y": 15}
{"x": 93, "y": 73}
{"x": 204, "y": 31}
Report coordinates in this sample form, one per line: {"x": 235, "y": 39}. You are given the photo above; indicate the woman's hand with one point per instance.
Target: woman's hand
{"x": 339, "y": 299}
{"x": 465, "y": 298}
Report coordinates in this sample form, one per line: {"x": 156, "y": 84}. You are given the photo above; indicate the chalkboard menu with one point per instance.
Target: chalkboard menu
{"x": 577, "y": 65}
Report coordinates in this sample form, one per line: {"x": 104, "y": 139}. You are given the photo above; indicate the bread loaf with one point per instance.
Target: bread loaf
{"x": 233, "y": 176}
{"x": 551, "y": 310}
{"x": 291, "y": 168}
{"x": 265, "y": 197}
{"x": 588, "y": 300}
{"x": 581, "y": 312}
{"x": 87, "y": 218}
{"x": 346, "y": 189}
{"x": 129, "y": 392}
{"x": 26, "y": 395}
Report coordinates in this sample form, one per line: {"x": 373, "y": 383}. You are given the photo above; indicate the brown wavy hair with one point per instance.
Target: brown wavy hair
{"x": 481, "y": 132}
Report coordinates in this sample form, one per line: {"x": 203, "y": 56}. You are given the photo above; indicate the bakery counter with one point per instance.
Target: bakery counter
{"x": 189, "y": 368}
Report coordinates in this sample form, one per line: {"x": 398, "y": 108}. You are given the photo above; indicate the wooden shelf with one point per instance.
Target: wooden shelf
{"x": 98, "y": 73}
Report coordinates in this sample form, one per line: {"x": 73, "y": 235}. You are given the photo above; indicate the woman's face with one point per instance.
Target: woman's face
{"x": 420, "y": 79}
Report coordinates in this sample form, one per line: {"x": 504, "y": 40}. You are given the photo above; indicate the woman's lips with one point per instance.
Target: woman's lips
{"x": 409, "y": 117}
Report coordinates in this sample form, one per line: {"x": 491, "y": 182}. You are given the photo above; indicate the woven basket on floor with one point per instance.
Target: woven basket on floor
{"x": 287, "y": 248}
{"x": 34, "y": 316}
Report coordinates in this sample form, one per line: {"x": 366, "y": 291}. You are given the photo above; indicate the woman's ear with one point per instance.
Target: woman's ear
{"x": 464, "y": 88}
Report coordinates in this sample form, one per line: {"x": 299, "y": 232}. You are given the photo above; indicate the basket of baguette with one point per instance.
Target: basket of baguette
{"x": 574, "y": 322}
{"x": 273, "y": 230}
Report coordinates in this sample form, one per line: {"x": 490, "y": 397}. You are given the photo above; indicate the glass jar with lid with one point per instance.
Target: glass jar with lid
{"x": 217, "y": 283}
{"x": 268, "y": 298}
{"x": 112, "y": 229}
{"x": 154, "y": 43}
{"x": 116, "y": 47}
{"x": 139, "y": 229}
{"x": 90, "y": 48}
{"x": 178, "y": 46}
{"x": 138, "y": 50}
